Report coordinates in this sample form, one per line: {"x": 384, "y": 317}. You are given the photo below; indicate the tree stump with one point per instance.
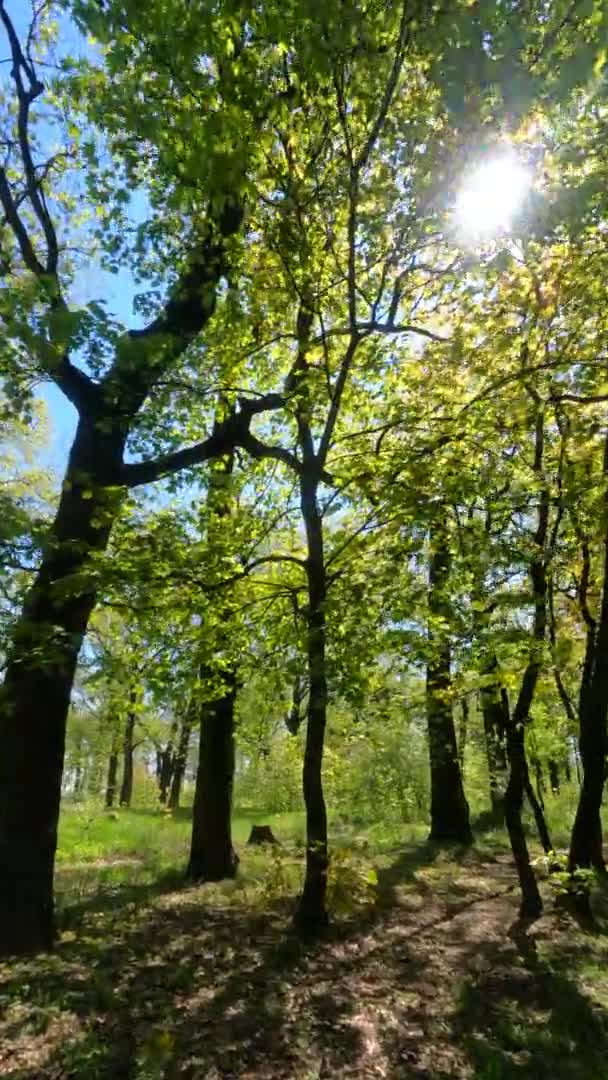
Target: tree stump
{"x": 262, "y": 834}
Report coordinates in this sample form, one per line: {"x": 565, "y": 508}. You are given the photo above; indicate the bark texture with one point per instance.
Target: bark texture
{"x": 212, "y": 856}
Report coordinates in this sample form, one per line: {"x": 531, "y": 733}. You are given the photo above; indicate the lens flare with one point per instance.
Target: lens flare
{"x": 491, "y": 196}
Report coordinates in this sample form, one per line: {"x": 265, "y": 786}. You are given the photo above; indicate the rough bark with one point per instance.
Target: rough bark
{"x": 449, "y": 807}
{"x": 212, "y": 856}
{"x": 111, "y": 783}
{"x": 312, "y": 913}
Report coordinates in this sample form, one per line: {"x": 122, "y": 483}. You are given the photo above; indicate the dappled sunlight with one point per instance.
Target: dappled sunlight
{"x": 427, "y": 989}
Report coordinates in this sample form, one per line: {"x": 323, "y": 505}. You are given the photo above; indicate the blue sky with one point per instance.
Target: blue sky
{"x": 118, "y": 291}
{"x": 92, "y": 283}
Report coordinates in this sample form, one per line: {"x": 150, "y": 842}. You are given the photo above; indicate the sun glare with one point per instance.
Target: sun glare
{"x": 490, "y": 197}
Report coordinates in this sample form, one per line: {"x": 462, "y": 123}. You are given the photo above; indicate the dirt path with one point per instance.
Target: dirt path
{"x": 440, "y": 982}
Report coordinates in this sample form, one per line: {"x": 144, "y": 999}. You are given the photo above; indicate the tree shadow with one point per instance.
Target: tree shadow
{"x": 525, "y": 1018}
{"x": 177, "y": 986}
{"x": 109, "y": 895}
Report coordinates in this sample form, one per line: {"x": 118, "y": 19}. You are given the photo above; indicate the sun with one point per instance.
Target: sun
{"x": 491, "y": 195}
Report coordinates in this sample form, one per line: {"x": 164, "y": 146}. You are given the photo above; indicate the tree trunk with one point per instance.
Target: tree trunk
{"x": 531, "y": 903}
{"x": 167, "y": 766}
{"x": 553, "y": 768}
{"x": 126, "y": 788}
{"x": 35, "y": 696}
{"x": 294, "y": 716}
{"x": 586, "y": 842}
{"x": 463, "y": 732}
{"x": 494, "y": 708}
{"x": 519, "y": 776}
{"x": 538, "y": 811}
{"x": 78, "y": 780}
{"x": 539, "y": 780}
{"x": 311, "y": 914}
{"x": 181, "y": 758}
{"x": 449, "y": 807}
{"x": 112, "y": 779}
{"x": 212, "y": 856}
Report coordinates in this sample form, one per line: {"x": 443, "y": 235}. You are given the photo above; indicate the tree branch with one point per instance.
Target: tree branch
{"x": 389, "y": 89}
{"x": 25, "y": 96}
{"x": 230, "y": 433}
{"x": 142, "y": 356}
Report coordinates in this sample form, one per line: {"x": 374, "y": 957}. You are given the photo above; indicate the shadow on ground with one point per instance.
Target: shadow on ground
{"x": 439, "y": 982}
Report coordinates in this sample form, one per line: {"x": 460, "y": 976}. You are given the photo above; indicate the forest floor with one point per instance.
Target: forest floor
{"x": 436, "y": 978}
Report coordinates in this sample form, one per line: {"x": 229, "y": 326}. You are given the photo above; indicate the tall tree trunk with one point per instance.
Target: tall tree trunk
{"x": 531, "y": 902}
{"x": 212, "y": 856}
{"x": 35, "y": 696}
{"x": 539, "y": 779}
{"x": 167, "y": 766}
{"x": 294, "y": 716}
{"x": 586, "y": 842}
{"x": 449, "y": 807}
{"x": 538, "y": 811}
{"x": 463, "y": 732}
{"x": 519, "y": 776}
{"x": 111, "y": 782}
{"x": 126, "y": 788}
{"x": 181, "y": 757}
{"x": 495, "y": 712}
{"x": 78, "y": 780}
{"x": 312, "y": 914}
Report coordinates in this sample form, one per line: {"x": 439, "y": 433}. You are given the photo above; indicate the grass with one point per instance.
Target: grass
{"x": 435, "y": 978}
{"x": 127, "y": 853}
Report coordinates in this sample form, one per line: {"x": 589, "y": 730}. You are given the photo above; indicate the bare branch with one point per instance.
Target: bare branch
{"x": 27, "y": 92}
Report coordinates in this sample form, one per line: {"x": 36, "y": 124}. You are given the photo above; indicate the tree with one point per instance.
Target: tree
{"x": 449, "y": 808}
{"x": 586, "y": 845}
{"x": 108, "y": 398}
{"x": 212, "y": 856}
